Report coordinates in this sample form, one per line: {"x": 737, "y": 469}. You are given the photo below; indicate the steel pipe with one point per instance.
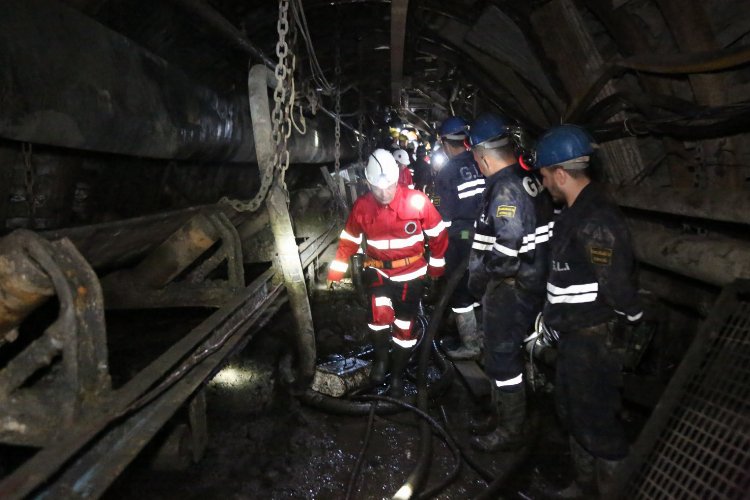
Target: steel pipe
{"x": 714, "y": 260}
{"x": 96, "y": 90}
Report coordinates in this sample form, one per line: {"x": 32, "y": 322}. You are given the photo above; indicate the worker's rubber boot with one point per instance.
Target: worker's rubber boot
{"x": 486, "y": 422}
{"x": 399, "y": 359}
{"x": 606, "y": 471}
{"x": 471, "y": 346}
{"x": 584, "y": 485}
{"x": 381, "y": 342}
{"x": 508, "y": 435}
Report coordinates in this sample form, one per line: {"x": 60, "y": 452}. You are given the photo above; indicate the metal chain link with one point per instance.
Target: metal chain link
{"x": 280, "y": 116}
{"x": 29, "y": 176}
{"x": 337, "y": 133}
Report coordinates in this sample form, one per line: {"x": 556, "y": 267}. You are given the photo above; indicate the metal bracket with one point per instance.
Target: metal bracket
{"x": 58, "y": 374}
{"x": 177, "y": 272}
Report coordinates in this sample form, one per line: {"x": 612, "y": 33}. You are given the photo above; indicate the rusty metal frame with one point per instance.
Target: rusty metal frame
{"x": 72, "y": 351}
{"x": 124, "y": 291}
{"x": 92, "y": 453}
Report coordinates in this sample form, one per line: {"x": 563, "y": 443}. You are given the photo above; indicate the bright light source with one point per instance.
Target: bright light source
{"x": 233, "y": 377}
{"x": 438, "y": 159}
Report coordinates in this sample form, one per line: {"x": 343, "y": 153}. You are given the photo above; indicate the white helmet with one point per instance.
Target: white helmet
{"x": 381, "y": 170}
{"x": 401, "y": 157}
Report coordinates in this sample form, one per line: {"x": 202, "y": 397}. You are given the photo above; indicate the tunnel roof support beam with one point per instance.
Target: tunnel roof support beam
{"x": 719, "y": 205}
{"x": 399, "y": 10}
{"x": 288, "y": 257}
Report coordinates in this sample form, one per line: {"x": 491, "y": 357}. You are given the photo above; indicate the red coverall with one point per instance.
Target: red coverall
{"x": 405, "y": 177}
{"x": 394, "y": 232}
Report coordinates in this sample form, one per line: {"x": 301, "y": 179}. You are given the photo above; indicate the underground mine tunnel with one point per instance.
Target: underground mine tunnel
{"x": 175, "y": 180}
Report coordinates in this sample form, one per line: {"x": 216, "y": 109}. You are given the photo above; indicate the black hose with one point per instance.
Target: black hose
{"x": 361, "y": 456}
{"x": 483, "y": 473}
{"x": 660, "y": 64}
{"x": 416, "y": 479}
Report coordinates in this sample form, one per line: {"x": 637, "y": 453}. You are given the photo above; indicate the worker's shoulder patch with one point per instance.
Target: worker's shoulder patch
{"x": 508, "y": 211}
{"x": 601, "y": 256}
{"x": 436, "y": 200}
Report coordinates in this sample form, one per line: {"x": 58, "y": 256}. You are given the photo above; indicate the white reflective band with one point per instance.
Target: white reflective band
{"x": 571, "y": 299}
{"x": 473, "y": 192}
{"x": 484, "y": 238}
{"x": 338, "y": 266}
{"x": 586, "y": 287}
{"x": 505, "y": 250}
{"x": 383, "y": 301}
{"x": 403, "y": 325}
{"x": 411, "y": 186}
{"x": 634, "y": 317}
{"x": 377, "y": 328}
{"x": 447, "y": 223}
{"x": 482, "y": 247}
{"x": 433, "y": 232}
{"x": 477, "y": 304}
{"x": 437, "y": 262}
{"x": 513, "y": 381}
{"x": 346, "y": 236}
{"x": 461, "y": 310}
{"x": 396, "y": 242}
{"x": 543, "y": 229}
{"x": 467, "y": 185}
{"x": 405, "y": 277}
{"x": 573, "y": 294}
{"x": 405, "y": 343}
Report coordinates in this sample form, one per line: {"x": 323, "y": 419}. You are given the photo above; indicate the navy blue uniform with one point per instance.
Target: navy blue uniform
{"x": 458, "y": 191}
{"x": 591, "y": 284}
{"x": 508, "y": 267}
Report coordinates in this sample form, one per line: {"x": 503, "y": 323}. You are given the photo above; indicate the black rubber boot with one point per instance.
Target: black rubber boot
{"x": 471, "y": 346}
{"x": 606, "y": 472}
{"x": 511, "y": 416}
{"x": 483, "y": 425}
{"x": 381, "y": 341}
{"x": 399, "y": 359}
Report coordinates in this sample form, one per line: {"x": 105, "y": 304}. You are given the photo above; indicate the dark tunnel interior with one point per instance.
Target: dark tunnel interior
{"x": 175, "y": 177}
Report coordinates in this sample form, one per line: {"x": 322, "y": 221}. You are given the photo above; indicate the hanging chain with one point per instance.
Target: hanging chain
{"x": 337, "y": 133}
{"x": 29, "y": 176}
{"x": 283, "y": 97}
{"x": 361, "y": 129}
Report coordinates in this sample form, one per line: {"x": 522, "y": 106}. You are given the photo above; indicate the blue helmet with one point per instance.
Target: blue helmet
{"x": 489, "y": 130}
{"x": 562, "y": 145}
{"x": 454, "y": 128}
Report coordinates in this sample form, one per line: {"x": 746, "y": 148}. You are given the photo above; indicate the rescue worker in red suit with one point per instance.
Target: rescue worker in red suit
{"x": 393, "y": 222}
{"x": 405, "y": 174}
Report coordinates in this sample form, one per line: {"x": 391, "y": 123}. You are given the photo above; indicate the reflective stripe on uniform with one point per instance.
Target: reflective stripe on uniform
{"x": 461, "y": 310}
{"x": 473, "y": 192}
{"x": 396, "y": 242}
{"x": 505, "y": 250}
{"x": 437, "y": 262}
{"x": 383, "y": 302}
{"x": 405, "y": 343}
{"x": 482, "y": 247}
{"x": 573, "y": 294}
{"x": 354, "y": 239}
{"x": 377, "y": 328}
{"x": 447, "y": 223}
{"x": 433, "y": 232}
{"x": 405, "y": 277}
{"x": 339, "y": 266}
{"x": 513, "y": 381}
{"x": 467, "y": 185}
{"x": 634, "y": 317}
{"x": 401, "y": 324}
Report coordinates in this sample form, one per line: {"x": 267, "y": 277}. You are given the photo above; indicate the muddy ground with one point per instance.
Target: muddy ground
{"x": 265, "y": 444}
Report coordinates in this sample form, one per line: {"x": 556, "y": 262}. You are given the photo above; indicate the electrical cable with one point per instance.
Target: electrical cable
{"x": 675, "y": 64}
{"x": 361, "y": 456}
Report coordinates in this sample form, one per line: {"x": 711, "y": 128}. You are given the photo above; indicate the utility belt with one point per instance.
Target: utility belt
{"x": 392, "y": 264}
